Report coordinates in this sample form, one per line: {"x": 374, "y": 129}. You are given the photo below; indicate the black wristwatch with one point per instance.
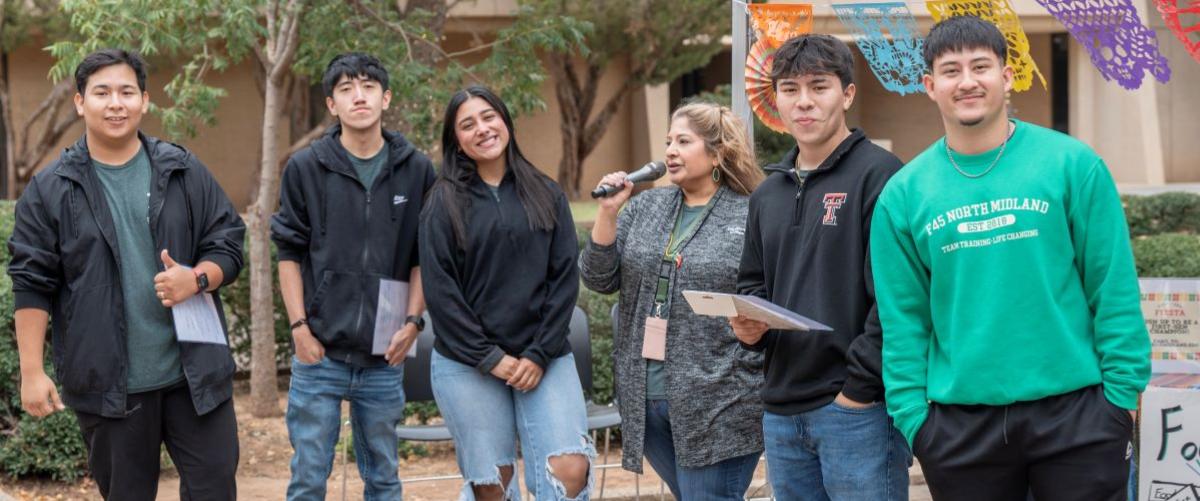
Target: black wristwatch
{"x": 416, "y": 320}
{"x": 201, "y": 281}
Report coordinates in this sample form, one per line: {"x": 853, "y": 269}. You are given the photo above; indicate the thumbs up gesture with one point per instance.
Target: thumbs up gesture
{"x": 176, "y": 283}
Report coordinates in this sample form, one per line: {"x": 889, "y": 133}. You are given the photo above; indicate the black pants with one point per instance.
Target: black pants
{"x": 1074, "y": 446}
{"x": 123, "y": 454}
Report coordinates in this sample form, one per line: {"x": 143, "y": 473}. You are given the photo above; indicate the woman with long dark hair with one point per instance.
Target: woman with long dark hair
{"x": 497, "y": 257}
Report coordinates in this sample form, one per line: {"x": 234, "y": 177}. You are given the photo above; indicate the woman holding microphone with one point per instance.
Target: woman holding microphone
{"x": 687, "y": 393}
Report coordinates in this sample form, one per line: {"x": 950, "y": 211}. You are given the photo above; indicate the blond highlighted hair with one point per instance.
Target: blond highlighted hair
{"x": 724, "y": 136}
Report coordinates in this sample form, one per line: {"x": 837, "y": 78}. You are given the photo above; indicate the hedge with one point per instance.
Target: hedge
{"x": 1166, "y": 243}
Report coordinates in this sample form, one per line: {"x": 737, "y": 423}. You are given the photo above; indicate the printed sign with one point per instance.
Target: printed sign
{"x": 1171, "y": 307}
{"x": 1169, "y": 469}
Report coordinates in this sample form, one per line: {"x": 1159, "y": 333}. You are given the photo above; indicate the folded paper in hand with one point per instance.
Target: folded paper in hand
{"x": 196, "y": 320}
{"x": 390, "y": 314}
{"x": 719, "y": 304}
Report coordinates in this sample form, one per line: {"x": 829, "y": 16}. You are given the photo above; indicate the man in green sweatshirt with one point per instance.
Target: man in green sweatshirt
{"x": 1014, "y": 347}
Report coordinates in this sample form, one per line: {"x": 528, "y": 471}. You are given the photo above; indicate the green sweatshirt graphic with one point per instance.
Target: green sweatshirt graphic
{"x": 1011, "y": 287}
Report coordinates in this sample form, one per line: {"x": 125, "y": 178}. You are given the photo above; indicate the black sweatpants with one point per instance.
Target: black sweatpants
{"x": 123, "y": 454}
{"x": 1074, "y": 446}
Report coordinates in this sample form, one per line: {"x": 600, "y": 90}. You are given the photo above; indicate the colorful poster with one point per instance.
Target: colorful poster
{"x": 1001, "y": 14}
{"x": 1171, "y": 307}
{"x": 1169, "y": 447}
{"x": 776, "y": 23}
{"x": 886, "y": 34}
{"x": 1172, "y": 13}
{"x": 1121, "y": 47}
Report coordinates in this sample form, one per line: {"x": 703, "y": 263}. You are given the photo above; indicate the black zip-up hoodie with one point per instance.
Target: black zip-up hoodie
{"x": 346, "y": 238}
{"x": 66, "y": 261}
{"x": 807, "y": 250}
{"x": 511, "y": 291}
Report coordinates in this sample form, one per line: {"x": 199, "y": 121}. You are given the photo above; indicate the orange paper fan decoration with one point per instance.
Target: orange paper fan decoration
{"x": 759, "y": 90}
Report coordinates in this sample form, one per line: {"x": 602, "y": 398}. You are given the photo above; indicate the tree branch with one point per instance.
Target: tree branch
{"x": 291, "y": 40}
{"x": 272, "y": 12}
{"x": 48, "y": 105}
{"x": 595, "y": 129}
{"x": 398, "y": 28}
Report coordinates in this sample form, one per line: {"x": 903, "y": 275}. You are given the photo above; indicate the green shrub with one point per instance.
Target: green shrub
{"x": 29, "y": 446}
{"x": 1170, "y": 255}
{"x": 1173, "y": 212}
{"x": 47, "y": 447}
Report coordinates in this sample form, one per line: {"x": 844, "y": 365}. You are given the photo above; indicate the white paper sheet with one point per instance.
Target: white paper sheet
{"x": 390, "y": 313}
{"x": 719, "y": 304}
{"x": 196, "y": 321}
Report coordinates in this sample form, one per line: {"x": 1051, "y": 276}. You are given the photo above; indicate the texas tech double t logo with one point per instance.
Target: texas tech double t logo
{"x": 833, "y": 202}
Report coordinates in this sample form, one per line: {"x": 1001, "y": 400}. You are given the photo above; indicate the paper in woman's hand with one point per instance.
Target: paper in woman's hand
{"x": 720, "y": 304}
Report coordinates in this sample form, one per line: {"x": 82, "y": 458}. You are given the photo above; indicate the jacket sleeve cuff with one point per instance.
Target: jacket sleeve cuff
{"x": 909, "y": 422}
{"x": 759, "y": 347}
{"x": 289, "y": 253}
{"x": 489, "y": 362}
{"x": 862, "y": 391}
{"x": 536, "y": 357}
{"x": 229, "y": 269}
{"x": 31, "y": 299}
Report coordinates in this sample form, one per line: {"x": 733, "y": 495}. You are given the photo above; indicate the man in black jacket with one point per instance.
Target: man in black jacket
{"x": 827, "y": 433}
{"x": 97, "y": 244}
{"x": 347, "y": 238}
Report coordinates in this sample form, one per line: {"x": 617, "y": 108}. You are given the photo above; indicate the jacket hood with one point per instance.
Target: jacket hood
{"x": 333, "y": 156}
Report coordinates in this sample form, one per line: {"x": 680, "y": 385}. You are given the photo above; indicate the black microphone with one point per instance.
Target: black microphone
{"x": 648, "y": 172}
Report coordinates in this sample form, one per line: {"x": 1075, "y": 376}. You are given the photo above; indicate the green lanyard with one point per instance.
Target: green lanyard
{"x": 671, "y": 259}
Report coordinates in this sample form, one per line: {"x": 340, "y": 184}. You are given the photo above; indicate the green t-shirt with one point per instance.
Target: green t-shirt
{"x": 150, "y": 334}
{"x": 1013, "y": 286}
{"x": 367, "y": 169}
{"x": 656, "y": 371}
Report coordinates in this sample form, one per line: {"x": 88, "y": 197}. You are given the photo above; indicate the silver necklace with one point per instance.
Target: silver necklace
{"x": 1003, "y": 145}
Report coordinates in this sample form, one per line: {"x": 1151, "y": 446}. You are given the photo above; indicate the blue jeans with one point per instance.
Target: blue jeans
{"x": 314, "y": 411}
{"x": 725, "y": 480}
{"x": 834, "y": 452}
{"x": 486, "y": 417}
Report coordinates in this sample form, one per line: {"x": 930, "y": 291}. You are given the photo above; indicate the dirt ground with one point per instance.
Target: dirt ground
{"x": 265, "y": 453}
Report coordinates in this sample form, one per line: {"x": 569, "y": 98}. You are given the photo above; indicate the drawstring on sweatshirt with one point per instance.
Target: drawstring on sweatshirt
{"x": 1006, "y": 425}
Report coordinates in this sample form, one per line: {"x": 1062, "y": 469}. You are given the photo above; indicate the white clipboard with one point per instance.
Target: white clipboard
{"x": 720, "y": 304}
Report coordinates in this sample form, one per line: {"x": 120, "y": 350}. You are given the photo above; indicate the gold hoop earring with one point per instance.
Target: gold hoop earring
{"x": 716, "y": 175}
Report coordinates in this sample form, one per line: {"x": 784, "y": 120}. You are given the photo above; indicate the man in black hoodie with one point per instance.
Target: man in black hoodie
{"x": 347, "y": 238}
{"x": 107, "y": 239}
{"x": 827, "y": 432}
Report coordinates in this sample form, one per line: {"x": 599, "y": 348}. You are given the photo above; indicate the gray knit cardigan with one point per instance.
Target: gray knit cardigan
{"x": 713, "y": 385}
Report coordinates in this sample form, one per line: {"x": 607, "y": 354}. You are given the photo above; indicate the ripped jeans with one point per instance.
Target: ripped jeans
{"x": 486, "y": 418}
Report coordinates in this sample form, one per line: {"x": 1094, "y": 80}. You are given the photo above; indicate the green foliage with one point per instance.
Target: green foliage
{"x": 769, "y": 146}
{"x": 423, "y": 75}
{"x": 1168, "y": 255}
{"x": 659, "y": 42}
{"x": 24, "y": 18}
{"x": 51, "y": 447}
{"x": 29, "y": 446}
{"x": 202, "y": 35}
{"x": 1172, "y": 212}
